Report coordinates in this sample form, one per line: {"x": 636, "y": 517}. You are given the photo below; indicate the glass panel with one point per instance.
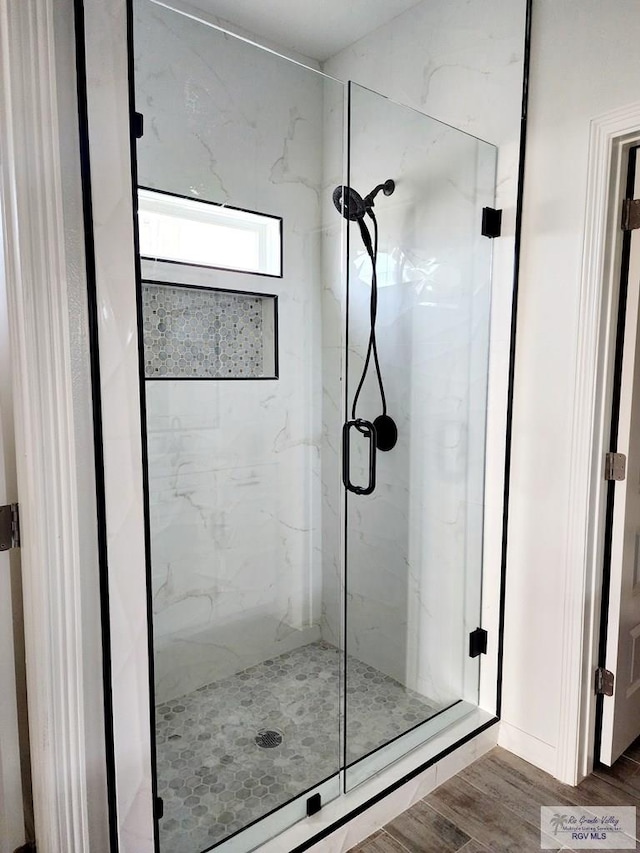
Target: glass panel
{"x": 244, "y": 476}
{"x": 414, "y": 543}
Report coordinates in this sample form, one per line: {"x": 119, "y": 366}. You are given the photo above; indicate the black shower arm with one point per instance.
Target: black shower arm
{"x": 387, "y": 188}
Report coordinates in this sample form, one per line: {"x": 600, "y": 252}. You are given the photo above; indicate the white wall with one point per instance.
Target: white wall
{"x": 461, "y": 62}
{"x": 584, "y": 63}
{"x": 235, "y": 481}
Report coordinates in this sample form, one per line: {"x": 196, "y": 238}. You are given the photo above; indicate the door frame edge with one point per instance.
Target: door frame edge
{"x": 45, "y": 285}
{"x": 609, "y": 135}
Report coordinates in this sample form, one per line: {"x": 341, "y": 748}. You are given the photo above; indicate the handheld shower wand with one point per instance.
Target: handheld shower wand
{"x": 354, "y": 208}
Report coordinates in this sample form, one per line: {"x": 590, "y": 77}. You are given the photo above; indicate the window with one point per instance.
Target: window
{"x": 190, "y": 231}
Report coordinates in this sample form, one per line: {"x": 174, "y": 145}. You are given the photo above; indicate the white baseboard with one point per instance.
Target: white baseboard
{"x": 525, "y": 746}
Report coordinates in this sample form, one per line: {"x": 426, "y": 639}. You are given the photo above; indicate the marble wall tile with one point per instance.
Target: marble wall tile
{"x": 235, "y": 467}
{"x": 196, "y": 118}
{"x": 461, "y": 61}
{"x": 333, "y": 297}
{"x": 414, "y": 547}
{"x": 109, "y": 131}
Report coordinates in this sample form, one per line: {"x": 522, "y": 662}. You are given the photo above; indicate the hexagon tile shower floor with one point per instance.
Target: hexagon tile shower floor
{"x": 233, "y": 751}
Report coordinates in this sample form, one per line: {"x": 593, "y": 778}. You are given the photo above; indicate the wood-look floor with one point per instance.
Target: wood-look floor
{"x": 493, "y": 806}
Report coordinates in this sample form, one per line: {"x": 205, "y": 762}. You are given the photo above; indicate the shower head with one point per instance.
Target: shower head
{"x": 351, "y": 204}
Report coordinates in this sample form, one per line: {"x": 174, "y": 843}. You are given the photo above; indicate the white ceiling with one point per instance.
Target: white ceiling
{"x": 315, "y": 28}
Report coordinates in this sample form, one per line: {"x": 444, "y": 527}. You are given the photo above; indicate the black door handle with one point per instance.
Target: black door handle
{"x": 367, "y": 429}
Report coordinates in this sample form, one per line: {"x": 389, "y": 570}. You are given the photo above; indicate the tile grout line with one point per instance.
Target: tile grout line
{"x": 517, "y": 820}
{"x": 471, "y": 837}
{"x": 404, "y": 847}
{"x": 569, "y": 804}
{"x": 423, "y": 800}
{"x": 211, "y": 771}
{"x": 397, "y": 840}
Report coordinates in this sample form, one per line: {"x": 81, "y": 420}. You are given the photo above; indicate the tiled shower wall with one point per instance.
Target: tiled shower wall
{"x": 418, "y": 539}
{"x": 461, "y": 62}
{"x": 422, "y": 527}
{"x": 209, "y": 135}
{"x": 235, "y": 480}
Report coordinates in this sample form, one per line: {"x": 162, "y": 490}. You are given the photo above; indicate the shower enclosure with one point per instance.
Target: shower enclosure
{"x": 308, "y": 628}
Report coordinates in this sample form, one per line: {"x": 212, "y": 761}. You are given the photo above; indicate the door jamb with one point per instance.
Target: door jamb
{"x": 40, "y": 195}
{"x": 611, "y": 135}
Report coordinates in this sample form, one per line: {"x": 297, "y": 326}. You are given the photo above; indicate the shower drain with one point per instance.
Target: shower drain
{"x": 268, "y": 738}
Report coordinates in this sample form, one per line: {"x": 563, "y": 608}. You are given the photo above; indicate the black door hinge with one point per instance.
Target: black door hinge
{"x": 630, "y": 214}
{"x": 9, "y": 527}
{"x": 314, "y": 804}
{"x": 491, "y": 222}
{"x": 138, "y": 125}
{"x": 477, "y": 643}
{"x": 159, "y": 808}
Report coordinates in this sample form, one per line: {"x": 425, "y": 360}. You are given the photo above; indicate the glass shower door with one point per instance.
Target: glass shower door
{"x": 240, "y": 296}
{"x": 414, "y": 508}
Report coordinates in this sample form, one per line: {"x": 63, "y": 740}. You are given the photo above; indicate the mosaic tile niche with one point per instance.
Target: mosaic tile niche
{"x": 199, "y": 333}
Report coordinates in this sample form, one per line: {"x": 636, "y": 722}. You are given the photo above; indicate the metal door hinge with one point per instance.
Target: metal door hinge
{"x": 615, "y": 466}
{"x": 604, "y": 682}
{"x": 477, "y": 643}
{"x": 159, "y": 808}
{"x": 491, "y": 222}
{"x": 9, "y": 527}
{"x": 630, "y": 214}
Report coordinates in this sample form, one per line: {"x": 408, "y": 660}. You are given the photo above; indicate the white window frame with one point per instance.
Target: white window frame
{"x": 266, "y": 229}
